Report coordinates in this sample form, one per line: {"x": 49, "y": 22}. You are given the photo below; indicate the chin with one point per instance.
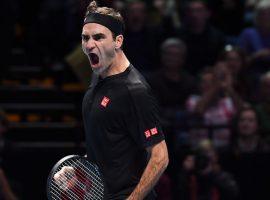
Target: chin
{"x": 99, "y": 70}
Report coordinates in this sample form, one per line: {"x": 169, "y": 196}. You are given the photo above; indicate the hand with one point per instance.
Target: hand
{"x": 189, "y": 163}
{"x": 223, "y": 76}
{"x": 65, "y": 178}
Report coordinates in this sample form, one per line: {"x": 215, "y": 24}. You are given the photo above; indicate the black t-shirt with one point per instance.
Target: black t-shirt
{"x": 121, "y": 119}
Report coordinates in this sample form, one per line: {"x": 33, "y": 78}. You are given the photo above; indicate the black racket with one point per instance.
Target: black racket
{"x": 75, "y": 178}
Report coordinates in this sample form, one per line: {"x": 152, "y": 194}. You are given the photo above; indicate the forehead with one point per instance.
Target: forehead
{"x": 248, "y": 113}
{"x": 197, "y": 6}
{"x": 94, "y": 28}
{"x": 173, "y": 49}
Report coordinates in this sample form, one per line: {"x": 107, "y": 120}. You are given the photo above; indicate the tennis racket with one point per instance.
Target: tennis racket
{"x": 75, "y": 178}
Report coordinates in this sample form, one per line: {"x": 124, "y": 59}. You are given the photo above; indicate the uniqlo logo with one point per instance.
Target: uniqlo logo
{"x": 154, "y": 131}
{"x": 147, "y": 134}
{"x": 105, "y": 101}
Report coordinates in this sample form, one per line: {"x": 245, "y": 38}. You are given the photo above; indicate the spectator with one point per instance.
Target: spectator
{"x": 247, "y": 136}
{"x": 228, "y": 16}
{"x": 165, "y": 13}
{"x": 202, "y": 177}
{"x": 203, "y": 40}
{"x": 263, "y": 106}
{"x": 248, "y": 158}
{"x": 236, "y": 61}
{"x": 141, "y": 40}
{"x": 216, "y": 105}
{"x": 171, "y": 83}
{"x": 256, "y": 40}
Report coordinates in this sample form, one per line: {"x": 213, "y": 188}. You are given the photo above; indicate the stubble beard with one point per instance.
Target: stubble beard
{"x": 103, "y": 69}
{"x": 100, "y": 70}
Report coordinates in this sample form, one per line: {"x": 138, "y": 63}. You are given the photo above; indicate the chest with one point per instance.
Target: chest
{"x": 106, "y": 106}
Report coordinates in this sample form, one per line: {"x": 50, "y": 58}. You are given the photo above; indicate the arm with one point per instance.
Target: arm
{"x": 235, "y": 97}
{"x": 206, "y": 100}
{"x": 154, "y": 169}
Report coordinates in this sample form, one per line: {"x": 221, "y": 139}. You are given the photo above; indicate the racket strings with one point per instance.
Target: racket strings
{"x": 76, "y": 192}
{"x": 87, "y": 182}
{"x": 79, "y": 190}
{"x": 96, "y": 181}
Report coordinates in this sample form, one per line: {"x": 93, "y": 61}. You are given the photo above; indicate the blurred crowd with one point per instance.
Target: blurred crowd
{"x": 208, "y": 63}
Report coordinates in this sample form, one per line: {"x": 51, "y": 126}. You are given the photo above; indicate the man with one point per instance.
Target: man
{"x": 138, "y": 32}
{"x": 123, "y": 133}
{"x": 203, "y": 41}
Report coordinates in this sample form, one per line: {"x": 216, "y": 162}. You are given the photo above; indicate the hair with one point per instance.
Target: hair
{"x": 229, "y": 48}
{"x": 262, "y": 5}
{"x": 93, "y": 8}
{"x": 188, "y": 3}
{"x": 235, "y": 120}
{"x": 173, "y": 42}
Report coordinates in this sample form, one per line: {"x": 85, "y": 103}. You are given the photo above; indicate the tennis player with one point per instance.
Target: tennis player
{"x": 122, "y": 125}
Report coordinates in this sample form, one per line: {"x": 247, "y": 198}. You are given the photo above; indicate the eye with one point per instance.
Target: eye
{"x": 98, "y": 37}
{"x": 85, "y": 38}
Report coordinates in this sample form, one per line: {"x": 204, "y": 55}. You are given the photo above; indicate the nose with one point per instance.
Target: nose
{"x": 89, "y": 45}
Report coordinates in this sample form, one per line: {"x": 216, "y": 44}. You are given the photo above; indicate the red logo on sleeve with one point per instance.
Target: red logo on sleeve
{"x": 105, "y": 101}
{"x": 154, "y": 131}
{"x": 147, "y": 134}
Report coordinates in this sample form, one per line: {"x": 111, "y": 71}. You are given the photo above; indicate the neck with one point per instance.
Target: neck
{"x": 172, "y": 75}
{"x": 197, "y": 29}
{"x": 248, "y": 143}
{"x": 120, "y": 64}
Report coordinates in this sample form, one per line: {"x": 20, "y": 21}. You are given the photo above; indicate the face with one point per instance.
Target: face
{"x": 247, "y": 124}
{"x": 99, "y": 46}
{"x": 173, "y": 57}
{"x": 207, "y": 82}
{"x": 136, "y": 15}
{"x": 234, "y": 61}
{"x": 197, "y": 13}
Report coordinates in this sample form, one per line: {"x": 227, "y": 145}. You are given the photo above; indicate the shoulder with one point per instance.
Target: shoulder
{"x": 135, "y": 82}
{"x": 139, "y": 90}
{"x": 248, "y": 32}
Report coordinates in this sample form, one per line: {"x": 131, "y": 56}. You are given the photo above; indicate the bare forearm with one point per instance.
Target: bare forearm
{"x": 155, "y": 167}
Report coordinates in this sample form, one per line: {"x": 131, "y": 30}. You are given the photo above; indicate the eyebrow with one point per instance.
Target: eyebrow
{"x": 98, "y": 35}
{"x": 94, "y": 35}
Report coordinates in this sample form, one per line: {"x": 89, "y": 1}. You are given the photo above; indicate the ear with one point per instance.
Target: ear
{"x": 119, "y": 41}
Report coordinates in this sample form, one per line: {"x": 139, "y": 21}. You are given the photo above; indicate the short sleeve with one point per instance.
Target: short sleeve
{"x": 144, "y": 119}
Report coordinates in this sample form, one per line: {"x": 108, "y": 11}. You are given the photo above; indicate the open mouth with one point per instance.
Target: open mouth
{"x": 94, "y": 59}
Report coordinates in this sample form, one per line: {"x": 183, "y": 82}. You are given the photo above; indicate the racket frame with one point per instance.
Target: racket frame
{"x": 56, "y": 166}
